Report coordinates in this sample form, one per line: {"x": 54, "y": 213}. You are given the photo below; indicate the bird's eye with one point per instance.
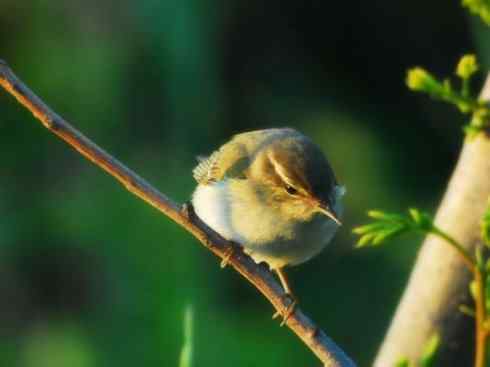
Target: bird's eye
{"x": 291, "y": 190}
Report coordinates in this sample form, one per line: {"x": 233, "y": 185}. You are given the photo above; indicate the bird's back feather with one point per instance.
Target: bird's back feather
{"x": 234, "y": 157}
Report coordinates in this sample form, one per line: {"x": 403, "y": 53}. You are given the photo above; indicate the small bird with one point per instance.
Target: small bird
{"x": 273, "y": 192}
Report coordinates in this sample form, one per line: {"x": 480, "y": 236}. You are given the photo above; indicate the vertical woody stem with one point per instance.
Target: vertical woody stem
{"x": 439, "y": 280}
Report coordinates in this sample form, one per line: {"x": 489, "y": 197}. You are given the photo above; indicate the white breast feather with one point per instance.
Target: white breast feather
{"x": 211, "y": 205}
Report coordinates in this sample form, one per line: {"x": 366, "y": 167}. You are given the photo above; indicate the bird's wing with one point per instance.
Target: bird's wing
{"x": 233, "y": 158}
{"x": 230, "y": 161}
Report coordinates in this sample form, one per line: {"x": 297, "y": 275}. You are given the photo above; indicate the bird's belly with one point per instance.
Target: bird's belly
{"x": 309, "y": 240}
{"x": 264, "y": 235}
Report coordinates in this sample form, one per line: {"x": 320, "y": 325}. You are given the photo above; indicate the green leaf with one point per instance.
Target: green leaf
{"x": 480, "y": 120}
{"x": 471, "y": 130}
{"x": 367, "y": 228}
{"x": 467, "y": 66}
{"x": 487, "y": 265}
{"x": 378, "y": 214}
{"x": 430, "y": 351}
{"x": 485, "y": 226}
{"x": 473, "y": 286}
{"x": 389, "y": 225}
{"x": 487, "y": 293}
{"x": 386, "y": 234}
{"x": 429, "y": 354}
{"x": 423, "y": 220}
{"x": 420, "y": 80}
{"x": 480, "y": 8}
{"x": 468, "y": 311}
{"x": 403, "y": 362}
{"x": 365, "y": 240}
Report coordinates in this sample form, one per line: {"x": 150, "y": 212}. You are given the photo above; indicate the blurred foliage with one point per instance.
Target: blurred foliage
{"x": 57, "y": 346}
{"x": 480, "y": 8}
{"x": 485, "y": 226}
{"x": 187, "y": 347}
{"x": 90, "y": 273}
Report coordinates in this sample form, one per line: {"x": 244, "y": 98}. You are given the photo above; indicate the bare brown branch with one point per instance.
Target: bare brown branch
{"x": 439, "y": 280}
{"x": 321, "y": 345}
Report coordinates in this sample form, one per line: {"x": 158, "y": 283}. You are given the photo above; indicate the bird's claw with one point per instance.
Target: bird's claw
{"x": 227, "y": 256}
{"x": 288, "y": 311}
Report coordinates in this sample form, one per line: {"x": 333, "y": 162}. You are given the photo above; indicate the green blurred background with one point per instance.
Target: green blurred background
{"x": 92, "y": 276}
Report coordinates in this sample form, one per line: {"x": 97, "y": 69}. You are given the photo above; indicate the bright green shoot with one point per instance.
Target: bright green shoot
{"x": 480, "y": 8}
{"x": 421, "y": 80}
{"x": 388, "y": 225}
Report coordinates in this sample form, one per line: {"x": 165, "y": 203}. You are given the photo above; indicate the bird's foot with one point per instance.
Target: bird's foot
{"x": 288, "y": 311}
{"x": 227, "y": 256}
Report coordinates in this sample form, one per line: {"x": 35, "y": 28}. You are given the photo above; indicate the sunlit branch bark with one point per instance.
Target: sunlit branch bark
{"x": 319, "y": 343}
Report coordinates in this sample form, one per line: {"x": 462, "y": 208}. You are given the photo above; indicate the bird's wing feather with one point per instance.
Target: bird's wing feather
{"x": 233, "y": 158}
{"x": 230, "y": 161}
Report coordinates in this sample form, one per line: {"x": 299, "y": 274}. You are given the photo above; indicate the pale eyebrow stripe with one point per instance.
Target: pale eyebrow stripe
{"x": 280, "y": 171}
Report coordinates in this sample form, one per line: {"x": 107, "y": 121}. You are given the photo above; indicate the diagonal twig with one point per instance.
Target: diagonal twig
{"x": 314, "y": 338}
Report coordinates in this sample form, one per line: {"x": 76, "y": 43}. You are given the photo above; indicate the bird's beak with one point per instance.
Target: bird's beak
{"x": 325, "y": 209}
